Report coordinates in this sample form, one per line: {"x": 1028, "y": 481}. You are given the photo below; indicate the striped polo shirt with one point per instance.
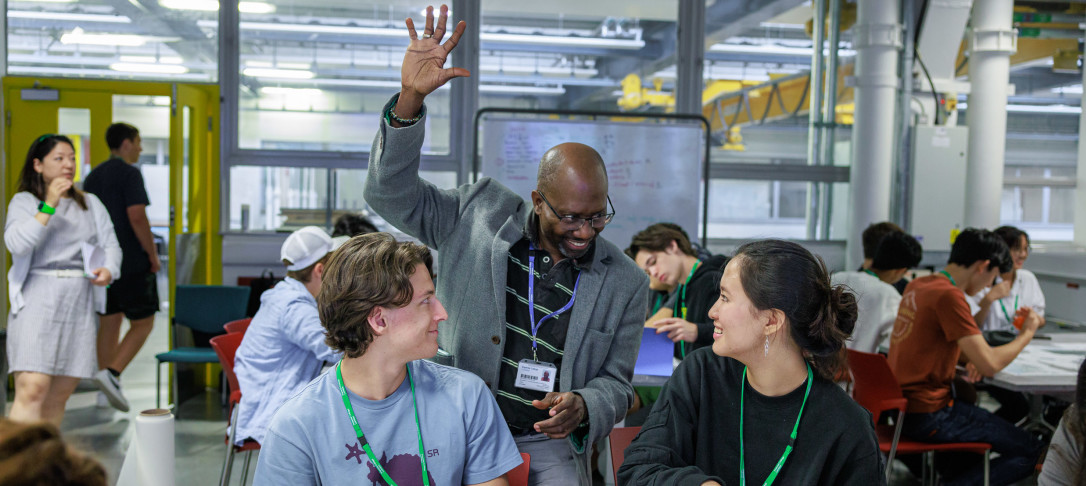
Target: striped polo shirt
{"x": 553, "y": 289}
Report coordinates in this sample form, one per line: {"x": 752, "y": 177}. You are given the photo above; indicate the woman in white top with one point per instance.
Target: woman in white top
{"x": 52, "y": 327}
{"x": 994, "y": 308}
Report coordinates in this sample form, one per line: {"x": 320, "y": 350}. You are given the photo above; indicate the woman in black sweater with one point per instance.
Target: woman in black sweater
{"x": 760, "y": 406}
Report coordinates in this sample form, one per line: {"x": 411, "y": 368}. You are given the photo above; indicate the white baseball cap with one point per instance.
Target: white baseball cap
{"x": 306, "y": 247}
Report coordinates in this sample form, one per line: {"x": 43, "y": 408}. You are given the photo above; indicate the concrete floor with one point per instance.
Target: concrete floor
{"x": 106, "y": 433}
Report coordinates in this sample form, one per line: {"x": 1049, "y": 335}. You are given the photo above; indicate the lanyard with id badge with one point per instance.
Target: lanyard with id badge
{"x": 533, "y": 374}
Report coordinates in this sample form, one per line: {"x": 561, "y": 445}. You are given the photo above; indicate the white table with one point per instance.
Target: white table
{"x": 1046, "y": 366}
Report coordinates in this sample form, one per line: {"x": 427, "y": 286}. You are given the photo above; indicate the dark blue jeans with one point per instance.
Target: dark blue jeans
{"x": 962, "y": 422}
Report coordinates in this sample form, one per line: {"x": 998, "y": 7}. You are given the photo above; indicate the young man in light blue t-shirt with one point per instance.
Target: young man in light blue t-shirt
{"x": 383, "y": 415}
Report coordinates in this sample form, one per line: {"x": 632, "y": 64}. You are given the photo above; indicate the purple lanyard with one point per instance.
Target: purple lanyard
{"x": 531, "y": 299}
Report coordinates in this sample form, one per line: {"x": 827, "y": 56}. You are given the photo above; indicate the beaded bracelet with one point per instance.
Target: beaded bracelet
{"x": 401, "y": 121}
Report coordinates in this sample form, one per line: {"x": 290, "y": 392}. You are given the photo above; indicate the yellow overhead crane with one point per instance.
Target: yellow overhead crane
{"x": 729, "y": 104}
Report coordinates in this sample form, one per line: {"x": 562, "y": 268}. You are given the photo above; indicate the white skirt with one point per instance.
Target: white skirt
{"x": 55, "y": 333}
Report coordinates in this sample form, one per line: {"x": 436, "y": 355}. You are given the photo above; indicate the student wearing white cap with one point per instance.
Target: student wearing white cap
{"x": 284, "y": 346}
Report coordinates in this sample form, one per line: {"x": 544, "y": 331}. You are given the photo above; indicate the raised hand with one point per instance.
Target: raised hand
{"x": 423, "y": 68}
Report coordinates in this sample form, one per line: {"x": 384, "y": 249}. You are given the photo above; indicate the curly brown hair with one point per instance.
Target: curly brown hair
{"x": 368, "y": 271}
{"x": 33, "y": 454}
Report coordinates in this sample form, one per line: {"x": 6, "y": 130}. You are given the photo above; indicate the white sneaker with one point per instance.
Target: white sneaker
{"x": 111, "y": 387}
{"x": 102, "y": 401}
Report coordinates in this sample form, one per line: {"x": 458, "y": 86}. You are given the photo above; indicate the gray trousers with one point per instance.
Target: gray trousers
{"x": 553, "y": 461}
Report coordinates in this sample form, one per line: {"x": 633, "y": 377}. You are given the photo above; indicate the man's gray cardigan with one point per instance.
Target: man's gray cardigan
{"x": 473, "y": 227}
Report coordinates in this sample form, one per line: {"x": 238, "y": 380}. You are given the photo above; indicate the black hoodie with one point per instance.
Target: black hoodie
{"x": 702, "y": 293}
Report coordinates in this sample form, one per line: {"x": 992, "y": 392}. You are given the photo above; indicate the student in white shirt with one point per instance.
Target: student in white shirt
{"x": 876, "y": 298}
{"x": 995, "y": 308}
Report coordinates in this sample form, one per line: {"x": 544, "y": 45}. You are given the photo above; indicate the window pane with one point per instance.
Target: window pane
{"x": 114, "y": 39}
{"x": 151, "y": 114}
{"x": 277, "y": 198}
{"x": 740, "y": 209}
{"x": 1044, "y": 211}
{"x": 547, "y": 56}
{"x": 749, "y": 209}
{"x": 316, "y": 74}
{"x": 349, "y": 184}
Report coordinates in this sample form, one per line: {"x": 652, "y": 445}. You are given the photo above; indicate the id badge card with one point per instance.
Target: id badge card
{"x": 536, "y": 375}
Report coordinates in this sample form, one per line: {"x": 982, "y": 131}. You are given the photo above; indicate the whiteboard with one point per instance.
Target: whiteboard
{"x": 655, "y": 170}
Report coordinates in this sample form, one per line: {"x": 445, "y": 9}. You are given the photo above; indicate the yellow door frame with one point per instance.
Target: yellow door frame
{"x": 25, "y": 120}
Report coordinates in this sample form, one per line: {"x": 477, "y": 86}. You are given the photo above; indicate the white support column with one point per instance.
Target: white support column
{"x": 1080, "y": 176}
{"x": 877, "y": 39}
{"x": 991, "y": 41}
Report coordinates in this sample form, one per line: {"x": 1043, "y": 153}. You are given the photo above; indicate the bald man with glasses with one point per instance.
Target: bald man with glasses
{"x": 544, "y": 310}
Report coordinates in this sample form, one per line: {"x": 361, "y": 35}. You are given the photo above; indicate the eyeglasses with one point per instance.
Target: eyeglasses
{"x": 574, "y": 223}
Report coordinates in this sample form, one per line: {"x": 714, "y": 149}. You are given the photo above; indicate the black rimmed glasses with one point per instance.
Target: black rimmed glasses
{"x": 573, "y": 223}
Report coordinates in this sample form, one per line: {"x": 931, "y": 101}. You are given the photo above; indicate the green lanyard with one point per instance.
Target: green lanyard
{"x": 681, "y": 311}
{"x": 787, "y": 449}
{"x": 659, "y": 303}
{"x": 947, "y": 274}
{"x": 869, "y": 272}
{"x": 1005, "y": 314}
{"x": 366, "y": 444}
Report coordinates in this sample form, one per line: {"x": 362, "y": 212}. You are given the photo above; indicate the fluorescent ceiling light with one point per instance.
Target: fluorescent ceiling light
{"x": 151, "y": 59}
{"x": 543, "y": 70}
{"x": 504, "y": 88}
{"x": 73, "y": 17}
{"x": 357, "y": 83}
{"x": 108, "y": 73}
{"x": 278, "y": 90}
{"x": 437, "y": 12}
{"x": 277, "y": 73}
{"x": 49, "y": 1}
{"x": 213, "y": 6}
{"x": 149, "y": 68}
{"x": 202, "y": 5}
{"x": 323, "y": 29}
{"x": 280, "y": 65}
{"x": 1035, "y": 108}
{"x": 769, "y": 49}
{"x": 1072, "y": 89}
{"x": 256, "y": 7}
{"x": 1044, "y": 109}
{"x": 76, "y": 36}
{"x": 548, "y": 40}
{"x": 555, "y": 40}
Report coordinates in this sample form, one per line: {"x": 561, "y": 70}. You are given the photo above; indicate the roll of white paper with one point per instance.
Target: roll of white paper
{"x": 150, "y": 457}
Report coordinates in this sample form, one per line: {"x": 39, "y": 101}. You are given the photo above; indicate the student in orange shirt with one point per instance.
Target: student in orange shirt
{"x": 934, "y": 328}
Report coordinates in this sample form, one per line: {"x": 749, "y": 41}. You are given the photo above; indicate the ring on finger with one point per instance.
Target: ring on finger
{"x": 427, "y": 36}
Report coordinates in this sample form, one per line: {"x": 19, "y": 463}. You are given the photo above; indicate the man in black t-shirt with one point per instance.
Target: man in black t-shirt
{"x": 119, "y": 185}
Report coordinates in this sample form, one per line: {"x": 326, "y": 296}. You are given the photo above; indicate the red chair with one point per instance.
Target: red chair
{"x": 876, "y": 389}
{"x": 226, "y": 346}
{"x": 620, "y": 439}
{"x": 519, "y": 475}
{"x": 239, "y": 325}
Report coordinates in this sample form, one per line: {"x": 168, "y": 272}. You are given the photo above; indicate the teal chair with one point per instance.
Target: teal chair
{"x": 203, "y": 309}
